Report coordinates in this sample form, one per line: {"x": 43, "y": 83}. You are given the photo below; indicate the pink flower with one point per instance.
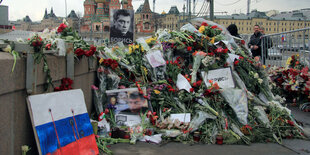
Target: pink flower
{"x": 94, "y": 87}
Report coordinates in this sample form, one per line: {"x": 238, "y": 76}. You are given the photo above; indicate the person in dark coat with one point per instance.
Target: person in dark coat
{"x": 255, "y": 42}
{"x": 233, "y": 30}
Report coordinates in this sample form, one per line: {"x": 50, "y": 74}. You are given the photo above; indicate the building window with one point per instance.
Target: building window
{"x": 143, "y": 16}
{"x": 106, "y": 29}
{"x": 147, "y": 16}
{"x": 97, "y": 27}
{"x": 146, "y": 26}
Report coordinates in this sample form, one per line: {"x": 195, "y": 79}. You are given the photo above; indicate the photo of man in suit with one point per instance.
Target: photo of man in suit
{"x": 122, "y": 26}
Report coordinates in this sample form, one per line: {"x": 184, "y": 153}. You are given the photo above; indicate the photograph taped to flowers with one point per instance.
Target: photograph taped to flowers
{"x": 121, "y": 26}
{"x": 222, "y": 76}
{"x": 127, "y": 101}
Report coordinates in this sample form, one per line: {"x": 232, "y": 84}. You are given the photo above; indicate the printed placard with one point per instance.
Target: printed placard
{"x": 122, "y": 26}
{"x": 222, "y": 76}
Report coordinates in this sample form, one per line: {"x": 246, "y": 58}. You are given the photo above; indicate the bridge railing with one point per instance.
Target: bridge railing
{"x": 278, "y": 47}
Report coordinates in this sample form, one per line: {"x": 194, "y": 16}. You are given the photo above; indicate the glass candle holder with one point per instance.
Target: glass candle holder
{"x": 219, "y": 139}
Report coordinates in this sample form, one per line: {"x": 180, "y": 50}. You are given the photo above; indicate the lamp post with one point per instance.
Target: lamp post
{"x": 66, "y": 7}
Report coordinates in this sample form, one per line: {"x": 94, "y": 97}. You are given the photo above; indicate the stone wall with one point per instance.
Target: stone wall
{"x": 15, "y": 125}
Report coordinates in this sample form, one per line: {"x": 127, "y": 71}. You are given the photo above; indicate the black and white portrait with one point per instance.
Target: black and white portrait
{"x": 122, "y": 26}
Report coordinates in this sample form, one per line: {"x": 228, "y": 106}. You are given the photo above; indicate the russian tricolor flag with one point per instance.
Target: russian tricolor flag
{"x": 61, "y": 123}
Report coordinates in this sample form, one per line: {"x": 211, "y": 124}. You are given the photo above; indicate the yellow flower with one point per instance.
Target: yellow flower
{"x": 101, "y": 60}
{"x": 142, "y": 49}
{"x": 201, "y": 29}
{"x": 288, "y": 62}
{"x": 264, "y": 66}
{"x": 145, "y": 70}
{"x": 156, "y": 91}
{"x": 130, "y": 49}
{"x": 148, "y": 41}
{"x": 136, "y": 47}
{"x": 212, "y": 40}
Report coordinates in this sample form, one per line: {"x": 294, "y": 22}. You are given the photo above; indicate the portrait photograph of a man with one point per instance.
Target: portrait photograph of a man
{"x": 122, "y": 26}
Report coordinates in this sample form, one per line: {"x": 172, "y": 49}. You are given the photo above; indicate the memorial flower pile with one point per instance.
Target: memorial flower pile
{"x": 204, "y": 75}
{"x": 293, "y": 82}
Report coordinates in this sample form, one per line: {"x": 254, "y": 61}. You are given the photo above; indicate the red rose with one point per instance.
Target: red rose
{"x": 110, "y": 61}
{"x": 236, "y": 62}
{"x": 192, "y": 90}
{"x": 199, "y": 83}
{"x": 61, "y": 27}
{"x": 204, "y": 24}
{"x": 189, "y": 48}
{"x": 114, "y": 65}
{"x": 225, "y": 50}
{"x": 34, "y": 44}
{"x": 211, "y": 54}
{"x": 48, "y": 46}
{"x": 214, "y": 27}
{"x": 92, "y": 48}
{"x": 290, "y": 122}
{"x": 89, "y": 53}
{"x": 242, "y": 42}
{"x": 106, "y": 111}
{"x": 106, "y": 62}
{"x": 56, "y": 89}
{"x": 79, "y": 52}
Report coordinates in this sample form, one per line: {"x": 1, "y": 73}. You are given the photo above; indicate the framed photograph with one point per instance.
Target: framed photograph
{"x": 128, "y": 104}
{"x": 122, "y": 26}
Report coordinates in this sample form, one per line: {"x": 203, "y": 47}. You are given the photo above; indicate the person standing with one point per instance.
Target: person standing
{"x": 255, "y": 43}
{"x": 233, "y": 30}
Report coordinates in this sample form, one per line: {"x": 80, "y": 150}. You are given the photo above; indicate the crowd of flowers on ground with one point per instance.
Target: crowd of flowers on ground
{"x": 176, "y": 83}
{"x": 292, "y": 82}
{"x": 248, "y": 112}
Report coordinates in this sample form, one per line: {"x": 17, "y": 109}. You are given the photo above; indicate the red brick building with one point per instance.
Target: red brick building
{"x": 144, "y": 18}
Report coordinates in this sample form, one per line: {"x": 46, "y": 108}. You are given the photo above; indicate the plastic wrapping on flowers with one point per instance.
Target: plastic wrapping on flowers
{"x": 238, "y": 114}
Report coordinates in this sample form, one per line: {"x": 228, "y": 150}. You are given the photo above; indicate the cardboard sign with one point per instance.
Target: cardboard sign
{"x": 61, "y": 123}
{"x": 184, "y": 117}
{"x": 222, "y": 76}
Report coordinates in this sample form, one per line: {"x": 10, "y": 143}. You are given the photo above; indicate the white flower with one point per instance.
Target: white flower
{"x": 8, "y": 49}
{"x": 19, "y": 40}
{"x": 65, "y": 22}
{"x": 256, "y": 76}
{"x": 207, "y": 61}
{"x": 260, "y": 81}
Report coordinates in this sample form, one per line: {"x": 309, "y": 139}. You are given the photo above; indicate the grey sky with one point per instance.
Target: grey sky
{"x": 35, "y": 8}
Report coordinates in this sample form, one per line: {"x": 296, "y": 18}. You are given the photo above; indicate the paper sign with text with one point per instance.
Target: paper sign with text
{"x": 222, "y": 76}
{"x": 184, "y": 117}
